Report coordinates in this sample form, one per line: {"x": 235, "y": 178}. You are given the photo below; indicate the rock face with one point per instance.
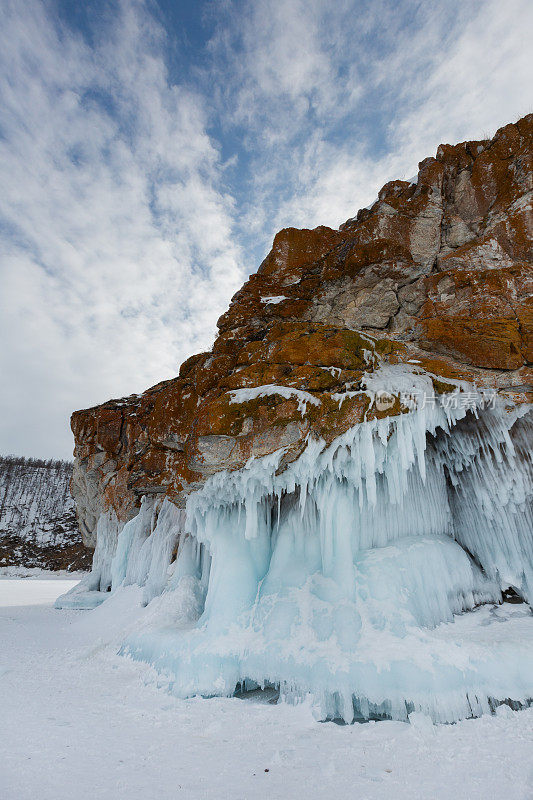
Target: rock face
{"x": 437, "y": 273}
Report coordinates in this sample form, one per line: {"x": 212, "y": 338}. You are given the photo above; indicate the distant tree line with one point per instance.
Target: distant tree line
{"x": 22, "y": 461}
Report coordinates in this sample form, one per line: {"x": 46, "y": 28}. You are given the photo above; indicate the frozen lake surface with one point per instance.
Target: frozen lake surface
{"x": 80, "y": 722}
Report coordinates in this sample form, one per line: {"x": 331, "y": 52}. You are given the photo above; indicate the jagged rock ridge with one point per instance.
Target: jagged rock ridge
{"x": 436, "y": 273}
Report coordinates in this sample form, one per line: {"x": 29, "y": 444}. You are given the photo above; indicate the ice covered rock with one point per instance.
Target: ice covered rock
{"x": 347, "y": 574}
{"x": 339, "y": 491}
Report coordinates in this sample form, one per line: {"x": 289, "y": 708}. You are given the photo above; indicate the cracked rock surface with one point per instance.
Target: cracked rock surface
{"x": 437, "y": 272}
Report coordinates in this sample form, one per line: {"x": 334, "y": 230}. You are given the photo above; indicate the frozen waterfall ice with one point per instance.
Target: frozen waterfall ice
{"x": 368, "y": 573}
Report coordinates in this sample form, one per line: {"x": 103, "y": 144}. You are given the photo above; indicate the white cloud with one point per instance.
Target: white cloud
{"x": 122, "y": 242}
{"x": 119, "y": 253}
{"x": 346, "y": 96}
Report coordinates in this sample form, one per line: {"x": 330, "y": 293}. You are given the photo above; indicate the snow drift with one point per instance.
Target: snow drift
{"x": 356, "y": 574}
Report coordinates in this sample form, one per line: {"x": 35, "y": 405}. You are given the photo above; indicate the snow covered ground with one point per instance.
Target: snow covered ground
{"x": 40, "y": 587}
{"x": 80, "y": 722}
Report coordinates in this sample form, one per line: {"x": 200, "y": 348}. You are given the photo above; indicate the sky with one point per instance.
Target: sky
{"x": 150, "y": 150}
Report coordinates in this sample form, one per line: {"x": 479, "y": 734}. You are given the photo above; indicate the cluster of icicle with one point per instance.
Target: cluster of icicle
{"x": 338, "y": 576}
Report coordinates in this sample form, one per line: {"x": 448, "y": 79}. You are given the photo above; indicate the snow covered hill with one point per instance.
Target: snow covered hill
{"x": 38, "y": 525}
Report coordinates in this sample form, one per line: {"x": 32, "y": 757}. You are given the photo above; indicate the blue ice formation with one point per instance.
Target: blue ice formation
{"x": 355, "y": 575}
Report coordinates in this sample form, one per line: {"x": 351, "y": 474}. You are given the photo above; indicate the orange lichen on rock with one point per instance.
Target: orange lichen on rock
{"x": 437, "y": 272}
{"x": 481, "y": 317}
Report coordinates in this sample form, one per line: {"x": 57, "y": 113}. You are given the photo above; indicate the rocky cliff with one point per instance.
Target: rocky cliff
{"x": 435, "y": 274}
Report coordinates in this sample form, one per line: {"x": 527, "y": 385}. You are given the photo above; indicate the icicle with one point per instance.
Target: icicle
{"x": 342, "y": 574}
